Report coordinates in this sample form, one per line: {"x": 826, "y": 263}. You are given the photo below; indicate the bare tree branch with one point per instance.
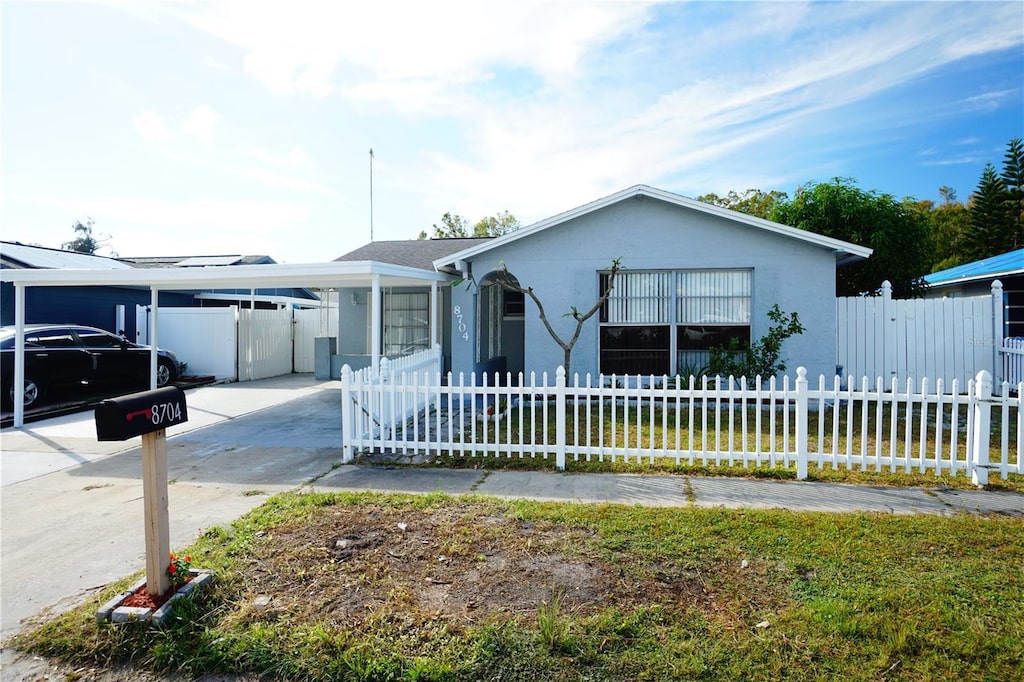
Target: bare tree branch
{"x": 508, "y": 281}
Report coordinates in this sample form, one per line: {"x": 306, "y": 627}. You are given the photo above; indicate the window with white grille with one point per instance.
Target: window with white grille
{"x": 665, "y": 321}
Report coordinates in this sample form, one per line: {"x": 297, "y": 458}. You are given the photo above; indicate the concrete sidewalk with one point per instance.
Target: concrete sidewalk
{"x": 72, "y": 508}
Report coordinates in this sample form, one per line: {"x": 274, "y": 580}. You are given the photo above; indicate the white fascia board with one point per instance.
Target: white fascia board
{"x": 845, "y": 251}
{"x": 265, "y": 276}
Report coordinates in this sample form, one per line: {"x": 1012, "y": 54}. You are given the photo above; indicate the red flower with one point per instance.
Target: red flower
{"x": 173, "y": 557}
{"x": 172, "y": 569}
{"x": 188, "y": 560}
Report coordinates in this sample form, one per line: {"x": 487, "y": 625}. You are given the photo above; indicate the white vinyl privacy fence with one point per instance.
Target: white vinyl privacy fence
{"x": 879, "y": 426}
{"x": 938, "y": 338}
{"x": 228, "y": 342}
{"x": 264, "y": 343}
{"x": 311, "y": 323}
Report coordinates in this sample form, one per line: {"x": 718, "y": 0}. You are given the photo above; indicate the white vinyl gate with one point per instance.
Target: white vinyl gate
{"x": 309, "y": 324}
{"x": 938, "y": 338}
{"x": 264, "y": 343}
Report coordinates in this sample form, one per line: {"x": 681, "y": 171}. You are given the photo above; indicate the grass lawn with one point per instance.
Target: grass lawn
{"x": 396, "y": 587}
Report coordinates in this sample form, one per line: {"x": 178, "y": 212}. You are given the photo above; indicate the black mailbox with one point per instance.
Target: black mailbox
{"x": 140, "y": 413}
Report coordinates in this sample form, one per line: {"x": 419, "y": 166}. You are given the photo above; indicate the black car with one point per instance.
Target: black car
{"x": 62, "y": 357}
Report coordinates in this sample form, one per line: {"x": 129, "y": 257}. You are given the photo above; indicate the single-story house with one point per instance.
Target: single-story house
{"x": 693, "y": 275}
{"x": 114, "y": 307}
{"x": 976, "y": 278}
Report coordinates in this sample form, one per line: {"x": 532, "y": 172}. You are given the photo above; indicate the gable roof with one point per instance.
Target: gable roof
{"x": 413, "y": 253}
{"x": 845, "y": 252}
{"x": 1003, "y": 265}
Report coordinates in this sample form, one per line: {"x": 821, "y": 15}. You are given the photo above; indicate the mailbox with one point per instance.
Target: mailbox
{"x": 140, "y": 413}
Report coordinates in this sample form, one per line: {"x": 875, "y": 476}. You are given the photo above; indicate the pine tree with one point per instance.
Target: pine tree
{"x": 1013, "y": 177}
{"x": 991, "y": 231}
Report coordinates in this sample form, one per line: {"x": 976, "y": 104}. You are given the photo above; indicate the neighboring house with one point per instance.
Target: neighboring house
{"x": 975, "y": 279}
{"x": 114, "y": 307}
{"x": 106, "y": 307}
{"x": 264, "y": 298}
{"x": 694, "y": 275}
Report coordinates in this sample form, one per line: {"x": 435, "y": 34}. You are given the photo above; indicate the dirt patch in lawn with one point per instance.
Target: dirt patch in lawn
{"x": 462, "y": 563}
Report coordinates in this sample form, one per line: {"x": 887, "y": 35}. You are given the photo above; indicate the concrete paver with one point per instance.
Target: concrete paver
{"x": 72, "y": 508}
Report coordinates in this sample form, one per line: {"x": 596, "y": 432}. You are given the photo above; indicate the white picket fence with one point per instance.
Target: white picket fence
{"x": 947, "y": 338}
{"x": 909, "y": 428}
{"x": 1013, "y": 360}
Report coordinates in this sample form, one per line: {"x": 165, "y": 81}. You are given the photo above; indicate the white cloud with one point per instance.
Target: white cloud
{"x": 150, "y": 126}
{"x": 438, "y": 47}
{"x": 200, "y": 123}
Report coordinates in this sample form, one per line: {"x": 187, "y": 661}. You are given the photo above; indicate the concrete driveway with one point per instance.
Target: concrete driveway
{"x": 71, "y": 507}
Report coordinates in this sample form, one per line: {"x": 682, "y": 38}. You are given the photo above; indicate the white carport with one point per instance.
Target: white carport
{"x": 372, "y": 274}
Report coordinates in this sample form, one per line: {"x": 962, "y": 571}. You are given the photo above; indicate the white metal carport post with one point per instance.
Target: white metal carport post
{"x": 433, "y": 315}
{"x": 154, "y": 301}
{"x": 19, "y": 355}
{"x": 375, "y": 315}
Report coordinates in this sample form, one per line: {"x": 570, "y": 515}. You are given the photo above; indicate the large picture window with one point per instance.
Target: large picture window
{"x": 406, "y": 323}
{"x": 666, "y": 321}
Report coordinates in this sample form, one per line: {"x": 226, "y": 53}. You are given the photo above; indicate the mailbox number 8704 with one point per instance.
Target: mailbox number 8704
{"x": 165, "y": 412}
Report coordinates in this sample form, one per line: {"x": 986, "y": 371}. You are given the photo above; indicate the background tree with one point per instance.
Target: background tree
{"x": 950, "y": 225}
{"x": 509, "y": 282}
{"x": 1013, "y": 178}
{"x": 496, "y": 225}
{"x": 898, "y": 233}
{"x": 85, "y": 241}
{"x": 997, "y": 207}
{"x": 753, "y": 202}
{"x": 454, "y": 225}
{"x": 991, "y": 230}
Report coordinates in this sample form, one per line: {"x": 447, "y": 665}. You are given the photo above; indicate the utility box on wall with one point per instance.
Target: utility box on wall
{"x": 323, "y": 348}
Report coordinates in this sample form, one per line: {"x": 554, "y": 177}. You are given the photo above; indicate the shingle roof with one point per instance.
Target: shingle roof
{"x": 413, "y": 253}
{"x": 1009, "y": 263}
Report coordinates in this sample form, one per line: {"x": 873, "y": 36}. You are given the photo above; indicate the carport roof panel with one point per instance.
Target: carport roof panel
{"x": 321, "y": 275}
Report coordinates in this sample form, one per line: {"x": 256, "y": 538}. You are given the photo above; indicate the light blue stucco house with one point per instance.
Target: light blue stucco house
{"x": 693, "y": 275}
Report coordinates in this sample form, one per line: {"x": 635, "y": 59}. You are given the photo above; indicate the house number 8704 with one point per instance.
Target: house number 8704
{"x": 460, "y": 324}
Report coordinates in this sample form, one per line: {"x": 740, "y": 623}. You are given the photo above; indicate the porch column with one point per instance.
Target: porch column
{"x": 375, "y": 322}
{"x": 154, "y": 304}
{"x": 998, "y": 334}
{"x": 434, "y": 310}
{"x": 19, "y": 355}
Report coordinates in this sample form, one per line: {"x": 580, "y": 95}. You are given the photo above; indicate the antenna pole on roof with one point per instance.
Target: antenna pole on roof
{"x": 371, "y": 194}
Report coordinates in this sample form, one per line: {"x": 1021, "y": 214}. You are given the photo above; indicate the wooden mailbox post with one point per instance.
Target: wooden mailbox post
{"x": 148, "y": 414}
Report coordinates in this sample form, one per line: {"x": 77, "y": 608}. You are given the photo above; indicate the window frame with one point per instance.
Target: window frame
{"x": 661, "y": 306}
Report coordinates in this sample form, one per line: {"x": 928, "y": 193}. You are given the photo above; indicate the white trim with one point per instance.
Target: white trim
{"x": 845, "y": 251}
{"x": 264, "y": 276}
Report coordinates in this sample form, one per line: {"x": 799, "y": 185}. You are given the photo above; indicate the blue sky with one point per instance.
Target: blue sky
{"x": 219, "y": 127}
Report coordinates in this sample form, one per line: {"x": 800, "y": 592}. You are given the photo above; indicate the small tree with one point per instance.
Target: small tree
{"x": 85, "y": 241}
{"x": 509, "y": 282}
{"x": 762, "y": 357}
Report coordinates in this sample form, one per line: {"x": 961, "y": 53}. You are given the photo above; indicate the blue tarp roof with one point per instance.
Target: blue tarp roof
{"x": 987, "y": 268}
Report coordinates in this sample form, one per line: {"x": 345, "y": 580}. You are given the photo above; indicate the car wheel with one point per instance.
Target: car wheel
{"x": 164, "y": 374}
{"x": 33, "y": 392}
